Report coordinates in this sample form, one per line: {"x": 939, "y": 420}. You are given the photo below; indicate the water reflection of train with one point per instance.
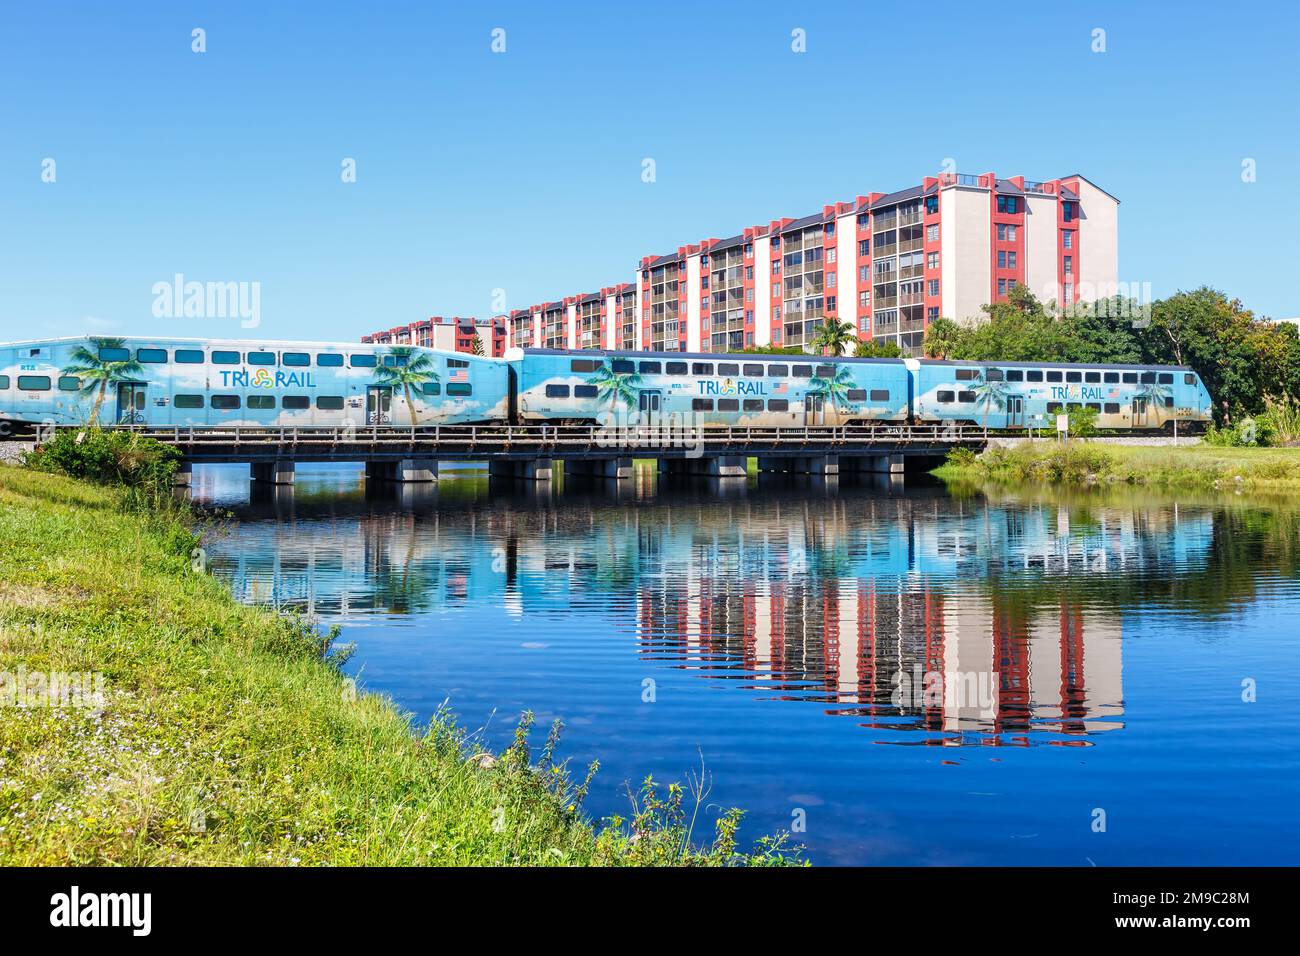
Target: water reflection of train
{"x": 910, "y": 613}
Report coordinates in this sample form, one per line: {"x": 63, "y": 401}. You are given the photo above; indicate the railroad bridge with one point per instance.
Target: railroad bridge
{"x": 527, "y": 452}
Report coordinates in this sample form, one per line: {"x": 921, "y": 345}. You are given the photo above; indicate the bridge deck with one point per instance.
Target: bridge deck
{"x": 563, "y": 442}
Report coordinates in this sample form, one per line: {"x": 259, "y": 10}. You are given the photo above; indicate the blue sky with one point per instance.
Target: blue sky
{"x": 522, "y": 171}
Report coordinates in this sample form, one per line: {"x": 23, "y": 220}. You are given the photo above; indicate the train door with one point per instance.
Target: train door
{"x": 379, "y": 405}
{"x": 1015, "y": 411}
{"x": 650, "y": 405}
{"x": 814, "y": 410}
{"x": 132, "y": 403}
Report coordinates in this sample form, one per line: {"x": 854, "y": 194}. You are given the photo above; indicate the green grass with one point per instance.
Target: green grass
{"x": 1200, "y": 467}
{"x": 227, "y": 737}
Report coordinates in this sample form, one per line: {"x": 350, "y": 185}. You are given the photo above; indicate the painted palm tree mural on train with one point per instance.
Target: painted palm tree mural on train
{"x": 617, "y": 388}
{"x": 96, "y": 374}
{"x": 409, "y": 371}
{"x": 834, "y": 390}
{"x": 1152, "y": 395}
{"x": 990, "y": 394}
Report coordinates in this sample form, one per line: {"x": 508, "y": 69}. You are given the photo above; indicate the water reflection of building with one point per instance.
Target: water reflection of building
{"x": 918, "y": 614}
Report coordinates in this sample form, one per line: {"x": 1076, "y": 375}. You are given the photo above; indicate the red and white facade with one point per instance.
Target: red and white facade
{"x": 890, "y": 263}
{"x": 450, "y": 333}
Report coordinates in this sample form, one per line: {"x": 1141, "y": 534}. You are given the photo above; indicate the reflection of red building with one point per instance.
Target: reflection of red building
{"x": 945, "y": 661}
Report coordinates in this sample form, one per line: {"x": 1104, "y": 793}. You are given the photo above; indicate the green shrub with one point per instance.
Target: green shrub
{"x": 962, "y": 458}
{"x": 1083, "y": 422}
{"x": 117, "y": 458}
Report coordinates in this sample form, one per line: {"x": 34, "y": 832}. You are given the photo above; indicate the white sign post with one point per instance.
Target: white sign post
{"x": 1062, "y": 426}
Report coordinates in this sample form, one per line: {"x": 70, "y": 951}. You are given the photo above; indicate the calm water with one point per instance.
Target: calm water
{"x": 912, "y": 677}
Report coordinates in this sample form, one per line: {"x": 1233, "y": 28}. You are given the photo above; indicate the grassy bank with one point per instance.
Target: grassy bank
{"x": 1200, "y": 467}
{"x": 225, "y": 736}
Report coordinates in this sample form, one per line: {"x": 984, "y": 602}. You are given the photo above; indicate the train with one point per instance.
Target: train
{"x": 209, "y": 382}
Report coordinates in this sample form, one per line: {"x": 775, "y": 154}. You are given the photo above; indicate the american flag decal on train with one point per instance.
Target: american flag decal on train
{"x": 460, "y": 375}
{"x": 780, "y": 388}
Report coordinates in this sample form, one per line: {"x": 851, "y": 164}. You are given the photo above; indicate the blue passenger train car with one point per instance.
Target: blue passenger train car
{"x": 649, "y": 388}
{"x": 206, "y": 382}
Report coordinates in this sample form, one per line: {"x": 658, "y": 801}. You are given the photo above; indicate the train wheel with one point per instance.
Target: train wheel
{"x": 6, "y": 429}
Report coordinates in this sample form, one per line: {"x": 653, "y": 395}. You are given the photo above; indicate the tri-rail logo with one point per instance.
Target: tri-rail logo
{"x": 264, "y": 379}
{"x": 1082, "y": 393}
{"x": 74, "y": 908}
{"x": 731, "y": 387}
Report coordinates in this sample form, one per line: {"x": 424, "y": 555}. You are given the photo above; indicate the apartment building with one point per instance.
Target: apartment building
{"x": 889, "y": 263}
{"x": 449, "y": 333}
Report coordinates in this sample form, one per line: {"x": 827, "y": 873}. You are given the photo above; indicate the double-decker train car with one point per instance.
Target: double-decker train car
{"x": 706, "y": 389}
{"x": 205, "y": 382}
{"x": 200, "y": 382}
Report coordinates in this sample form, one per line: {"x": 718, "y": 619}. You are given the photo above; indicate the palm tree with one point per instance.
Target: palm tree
{"x": 834, "y": 337}
{"x": 476, "y": 344}
{"x": 96, "y": 374}
{"x": 616, "y": 386}
{"x": 409, "y": 369}
{"x": 835, "y": 389}
{"x": 990, "y": 394}
{"x": 1152, "y": 395}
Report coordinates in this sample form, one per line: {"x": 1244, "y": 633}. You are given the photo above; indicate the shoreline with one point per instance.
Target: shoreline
{"x": 217, "y": 733}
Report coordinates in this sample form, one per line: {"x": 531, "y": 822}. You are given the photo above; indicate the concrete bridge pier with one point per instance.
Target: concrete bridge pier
{"x": 403, "y": 470}
{"x": 280, "y": 472}
{"x": 880, "y": 464}
{"x": 616, "y": 468}
{"x": 184, "y": 477}
{"x": 801, "y": 465}
{"x": 530, "y": 469}
{"x": 712, "y": 466}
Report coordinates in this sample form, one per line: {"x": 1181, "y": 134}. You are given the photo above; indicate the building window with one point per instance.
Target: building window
{"x": 931, "y": 313}
{"x": 1002, "y": 232}
{"x": 1069, "y": 265}
{"x": 1067, "y": 211}
{"x": 1011, "y": 259}
{"x": 1007, "y": 204}
{"x": 1067, "y": 239}
{"x": 1069, "y": 292}
{"x": 931, "y": 204}
{"x": 830, "y": 280}
{"x": 932, "y": 233}
{"x": 1002, "y": 287}
{"x": 934, "y": 287}
{"x": 1002, "y": 259}
{"x": 830, "y": 254}
{"x": 932, "y": 260}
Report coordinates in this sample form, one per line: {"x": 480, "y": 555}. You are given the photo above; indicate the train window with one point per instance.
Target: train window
{"x": 1015, "y": 375}
{"x": 702, "y": 368}
{"x": 4, "y": 381}
{"x": 555, "y": 391}
{"x": 1074, "y": 376}
{"x": 801, "y": 371}
{"x": 261, "y": 402}
{"x": 432, "y": 388}
{"x": 1092, "y": 378}
{"x": 457, "y": 363}
{"x": 225, "y": 358}
{"x": 296, "y": 359}
{"x": 114, "y": 354}
{"x": 857, "y": 395}
{"x": 585, "y": 365}
{"x": 1072, "y": 406}
{"x": 188, "y": 401}
{"x": 966, "y": 398}
{"x": 778, "y": 405}
{"x": 880, "y": 394}
{"x": 753, "y": 404}
{"x": 1169, "y": 403}
{"x": 1055, "y": 408}
{"x": 967, "y": 374}
{"x": 329, "y": 360}
{"x": 945, "y": 398}
{"x": 1095, "y": 405}
{"x": 1165, "y": 378}
{"x": 753, "y": 371}
{"x": 1033, "y": 375}
{"x": 675, "y": 368}
{"x": 993, "y": 374}
{"x": 295, "y": 402}
{"x": 398, "y": 361}
{"x": 69, "y": 383}
{"x": 1148, "y": 378}
{"x": 188, "y": 356}
{"x": 825, "y": 371}
{"x": 1111, "y": 408}
{"x": 585, "y": 391}
{"x": 34, "y": 383}
{"x": 701, "y": 404}
{"x": 728, "y": 405}
{"x": 1112, "y": 378}
{"x": 362, "y": 361}
{"x": 623, "y": 366}
{"x": 1189, "y": 379}
{"x": 225, "y": 401}
{"x": 151, "y": 356}
{"x": 460, "y": 388}
{"x": 728, "y": 368}
{"x": 329, "y": 403}
{"x": 1053, "y": 376}
{"x": 261, "y": 358}
{"x": 651, "y": 368}
{"x": 778, "y": 371}
{"x": 1130, "y": 378}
